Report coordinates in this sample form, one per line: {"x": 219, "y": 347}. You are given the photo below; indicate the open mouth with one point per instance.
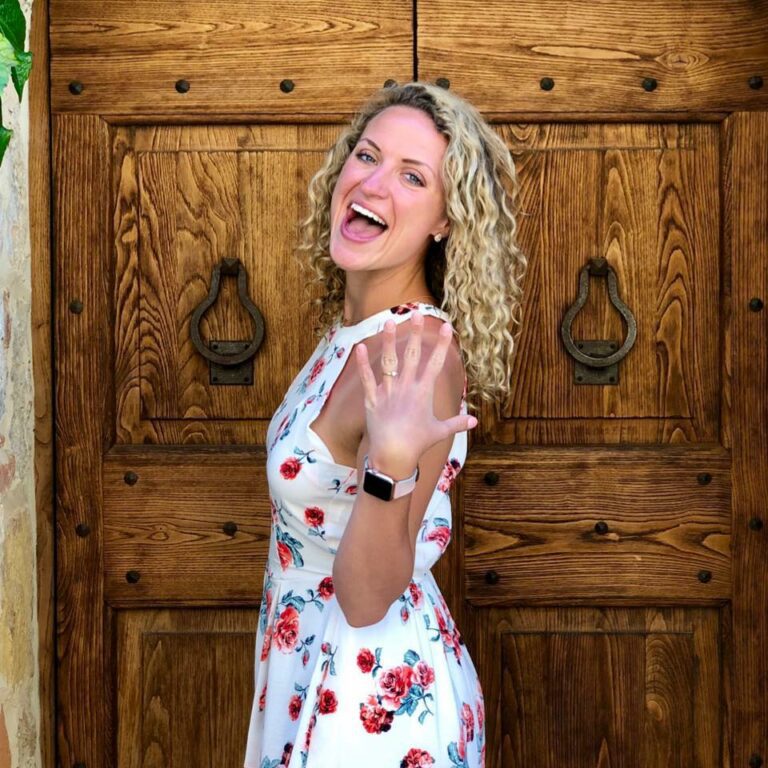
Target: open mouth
{"x": 360, "y": 225}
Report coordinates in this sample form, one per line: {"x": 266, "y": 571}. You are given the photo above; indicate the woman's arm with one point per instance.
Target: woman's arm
{"x": 375, "y": 559}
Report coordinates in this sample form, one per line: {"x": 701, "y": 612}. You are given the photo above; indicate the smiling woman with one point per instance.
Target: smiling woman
{"x": 358, "y": 659}
{"x": 378, "y": 186}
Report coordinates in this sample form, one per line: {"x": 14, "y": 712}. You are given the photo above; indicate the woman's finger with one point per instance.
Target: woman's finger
{"x": 458, "y": 423}
{"x": 388, "y": 353}
{"x": 412, "y": 353}
{"x": 366, "y": 376}
{"x": 439, "y": 352}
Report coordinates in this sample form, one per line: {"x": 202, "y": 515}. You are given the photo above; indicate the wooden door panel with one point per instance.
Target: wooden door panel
{"x": 596, "y": 56}
{"x": 184, "y": 526}
{"x": 186, "y": 686}
{"x": 186, "y": 203}
{"x": 234, "y": 56}
{"x": 745, "y": 240}
{"x": 581, "y": 687}
{"x": 649, "y": 204}
{"x": 554, "y": 524}
{"x": 83, "y": 387}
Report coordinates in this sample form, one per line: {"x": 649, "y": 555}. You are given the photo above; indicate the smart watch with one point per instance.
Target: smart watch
{"x": 384, "y": 487}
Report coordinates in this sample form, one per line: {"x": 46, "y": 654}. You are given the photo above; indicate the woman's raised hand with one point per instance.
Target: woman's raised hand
{"x": 399, "y": 411}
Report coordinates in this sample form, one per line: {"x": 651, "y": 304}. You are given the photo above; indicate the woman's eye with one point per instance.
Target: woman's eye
{"x": 362, "y": 153}
{"x": 416, "y": 178}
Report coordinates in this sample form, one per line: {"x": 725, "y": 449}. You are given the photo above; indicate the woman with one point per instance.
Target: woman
{"x": 358, "y": 661}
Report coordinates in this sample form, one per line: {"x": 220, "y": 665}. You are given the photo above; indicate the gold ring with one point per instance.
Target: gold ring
{"x": 389, "y": 373}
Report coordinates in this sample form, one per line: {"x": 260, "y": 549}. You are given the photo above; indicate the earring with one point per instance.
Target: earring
{"x": 438, "y": 237}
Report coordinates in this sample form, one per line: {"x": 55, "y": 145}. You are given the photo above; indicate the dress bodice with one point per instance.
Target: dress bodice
{"x": 312, "y": 495}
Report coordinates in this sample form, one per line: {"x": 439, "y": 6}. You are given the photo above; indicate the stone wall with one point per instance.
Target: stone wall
{"x": 19, "y": 688}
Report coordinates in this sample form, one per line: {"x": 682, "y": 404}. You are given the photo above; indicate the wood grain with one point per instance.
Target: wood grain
{"x": 186, "y": 686}
{"x": 242, "y": 197}
{"x": 603, "y": 686}
{"x": 651, "y": 208}
{"x": 598, "y": 54}
{"x": 234, "y": 55}
{"x": 535, "y": 528}
{"x": 169, "y": 525}
{"x": 84, "y": 424}
{"x": 746, "y": 238}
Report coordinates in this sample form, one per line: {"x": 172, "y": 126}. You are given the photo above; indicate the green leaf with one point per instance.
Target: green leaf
{"x": 13, "y": 25}
{"x": 5, "y": 137}
{"x": 20, "y": 73}
{"x": 7, "y": 60}
{"x": 13, "y": 57}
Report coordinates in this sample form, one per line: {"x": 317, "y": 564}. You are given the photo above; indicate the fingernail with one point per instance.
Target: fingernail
{"x": 472, "y": 422}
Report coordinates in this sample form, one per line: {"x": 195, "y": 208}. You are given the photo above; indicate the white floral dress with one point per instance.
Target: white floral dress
{"x": 402, "y": 693}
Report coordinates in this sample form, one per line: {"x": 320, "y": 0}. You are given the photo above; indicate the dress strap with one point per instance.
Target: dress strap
{"x": 375, "y": 322}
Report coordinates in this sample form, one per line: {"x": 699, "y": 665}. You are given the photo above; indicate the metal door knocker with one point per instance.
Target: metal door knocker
{"x": 229, "y": 362}
{"x": 596, "y": 359}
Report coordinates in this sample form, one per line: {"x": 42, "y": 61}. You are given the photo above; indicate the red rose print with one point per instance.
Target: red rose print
{"x": 327, "y": 702}
{"x": 424, "y": 674}
{"x": 468, "y": 721}
{"x": 287, "y": 750}
{"x": 339, "y": 351}
{"x": 325, "y": 647}
{"x": 395, "y": 684}
{"x": 441, "y": 534}
{"x": 325, "y": 588}
{"x": 316, "y": 369}
{"x": 310, "y": 728}
{"x": 417, "y": 758}
{"x": 287, "y": 629}
{"x": 351, "y": 489}
{"x": 375, "y": 718}
{"x": 305, "y": 658}
{"x": 462, "y": 747}
{"x": 456, "y": 640}
{"x": 404, "y": 615}
{"x": 365, "y": 660}
{"x": 417, "y": 595}
{"x": 285, "y": 554}
{"x": 263, "y": 698}
{"x": 450, "y": 470}
{"x": 267, "y": 643}
{"x": 290, "y": 468}
{"x": 402, "y": 309}
{"x": 450, "y": 635}
{"x": 314, "y": 516}
{"x": 294, "y": 707}
{"x": 480, "y": 712}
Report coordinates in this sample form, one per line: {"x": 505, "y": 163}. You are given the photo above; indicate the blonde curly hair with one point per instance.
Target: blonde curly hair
{"x": 476, "y": 274}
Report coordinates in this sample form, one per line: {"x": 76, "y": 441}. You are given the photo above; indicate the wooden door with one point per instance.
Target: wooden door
{"x": 614, "y": 557}
{"x": 167, "y": 162}
{"x": 608, "y": 565}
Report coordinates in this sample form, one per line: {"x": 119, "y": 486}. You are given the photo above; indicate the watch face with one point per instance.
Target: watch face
{"x": 377, "y": 486}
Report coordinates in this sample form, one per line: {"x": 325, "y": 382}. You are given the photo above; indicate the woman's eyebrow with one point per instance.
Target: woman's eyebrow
{"x": 405, "y": 159}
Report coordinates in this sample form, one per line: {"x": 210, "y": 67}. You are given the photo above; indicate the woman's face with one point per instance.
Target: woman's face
{"x": 394, "y": 173}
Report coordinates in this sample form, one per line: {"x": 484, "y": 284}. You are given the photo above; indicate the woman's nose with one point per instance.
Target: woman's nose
{"x": 375, "y": 183}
